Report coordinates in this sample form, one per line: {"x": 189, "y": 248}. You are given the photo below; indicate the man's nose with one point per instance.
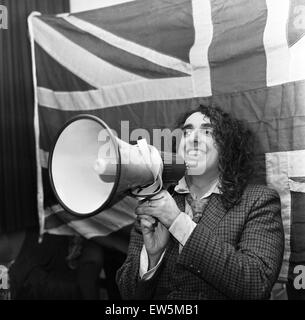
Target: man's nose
{"x": 196, "y": 136}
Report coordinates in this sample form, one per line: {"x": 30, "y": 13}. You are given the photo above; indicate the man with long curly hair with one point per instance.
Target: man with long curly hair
{"x": 214, "y": 235}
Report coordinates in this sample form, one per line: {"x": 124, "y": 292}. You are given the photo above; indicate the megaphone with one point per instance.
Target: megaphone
{"x": 90, "y": 169}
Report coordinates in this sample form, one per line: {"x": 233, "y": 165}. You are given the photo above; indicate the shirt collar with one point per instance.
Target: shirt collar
{"x": 183, "y": 188}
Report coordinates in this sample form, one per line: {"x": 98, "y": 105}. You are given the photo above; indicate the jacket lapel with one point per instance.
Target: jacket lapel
{"x": 214, "y": 212}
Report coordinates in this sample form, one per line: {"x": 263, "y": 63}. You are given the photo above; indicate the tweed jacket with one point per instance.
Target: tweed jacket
{"x": 231, "y": 254}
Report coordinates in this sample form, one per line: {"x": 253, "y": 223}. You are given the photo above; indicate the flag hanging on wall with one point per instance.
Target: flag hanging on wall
{"x": 143, "y": 63}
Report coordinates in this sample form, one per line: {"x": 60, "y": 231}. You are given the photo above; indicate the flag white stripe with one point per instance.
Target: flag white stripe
{"x": 296, "y": 166}
{"x": 284, "y": 64}
{"x": 53, "y": 209}
{"x": 297, "y": 60}
{"x": 78, "y": 60}
{"x": 297, "y": 186}
{"x": 40, "y": 193}
{"x": 44, "y": 157}
{"x": 275, "y": 42}
{"x": 128, "y": 93}
{"x": 203, "y": 25}
{"x": 131, "y": 47}
{"x": 277, "y": 178}
{"x": 64, "y": 229}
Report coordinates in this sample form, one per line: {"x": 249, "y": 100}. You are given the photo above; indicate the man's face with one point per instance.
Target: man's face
{"x": 197, "y": 146}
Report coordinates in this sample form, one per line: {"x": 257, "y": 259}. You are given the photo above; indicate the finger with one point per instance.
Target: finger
{"x": 154, "y": 202}
{"x": 143, "y": 201}
{"x": 143, "y": 204}
{"x": 153, "y": 221}
{"x": 145, "y": 224}
{"x": 144, "y": 211}
{"x": 140, "y": 210}
{"x": 150, "y": 219}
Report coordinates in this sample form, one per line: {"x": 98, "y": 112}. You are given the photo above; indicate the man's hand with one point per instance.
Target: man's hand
{"x": 155, "y": 237}
{"x": 162, "y": 207}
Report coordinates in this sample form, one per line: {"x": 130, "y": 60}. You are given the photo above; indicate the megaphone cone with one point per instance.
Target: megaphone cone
{"x": 90, "y": 169}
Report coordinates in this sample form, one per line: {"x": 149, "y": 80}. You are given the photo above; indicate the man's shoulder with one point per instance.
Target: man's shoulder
{"x": 256, "y": 191}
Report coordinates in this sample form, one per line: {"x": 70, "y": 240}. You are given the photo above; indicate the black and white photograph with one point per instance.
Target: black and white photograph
{"x": 152, "y": 153}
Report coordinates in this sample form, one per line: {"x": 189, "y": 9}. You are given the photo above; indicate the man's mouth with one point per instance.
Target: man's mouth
{"x": 194, "y": 152}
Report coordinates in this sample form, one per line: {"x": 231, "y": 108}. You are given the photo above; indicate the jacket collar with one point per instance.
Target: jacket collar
{"x": 183, "y": 188}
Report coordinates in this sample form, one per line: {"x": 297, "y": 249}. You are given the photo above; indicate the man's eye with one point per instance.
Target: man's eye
{"x": 187, "y": 132}
{"x": 207, "y": 132}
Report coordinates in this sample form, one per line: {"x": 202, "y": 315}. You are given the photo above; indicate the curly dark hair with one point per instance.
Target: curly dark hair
{"x": 235, "y": 145}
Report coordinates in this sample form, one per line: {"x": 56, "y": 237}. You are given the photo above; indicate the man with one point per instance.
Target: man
{"x": 215, "y": 236}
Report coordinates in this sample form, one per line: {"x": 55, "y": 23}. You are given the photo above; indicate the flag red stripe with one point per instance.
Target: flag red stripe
{"x": 115, "y": 56}
{"x": 55, "y": 76}
{"x": 237, "y": 55}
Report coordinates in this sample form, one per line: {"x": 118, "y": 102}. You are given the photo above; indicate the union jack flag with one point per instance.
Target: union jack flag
{"x": 147, "y": 61}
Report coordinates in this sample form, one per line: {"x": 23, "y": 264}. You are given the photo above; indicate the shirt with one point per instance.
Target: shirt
{"x": 181, "y": 228}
